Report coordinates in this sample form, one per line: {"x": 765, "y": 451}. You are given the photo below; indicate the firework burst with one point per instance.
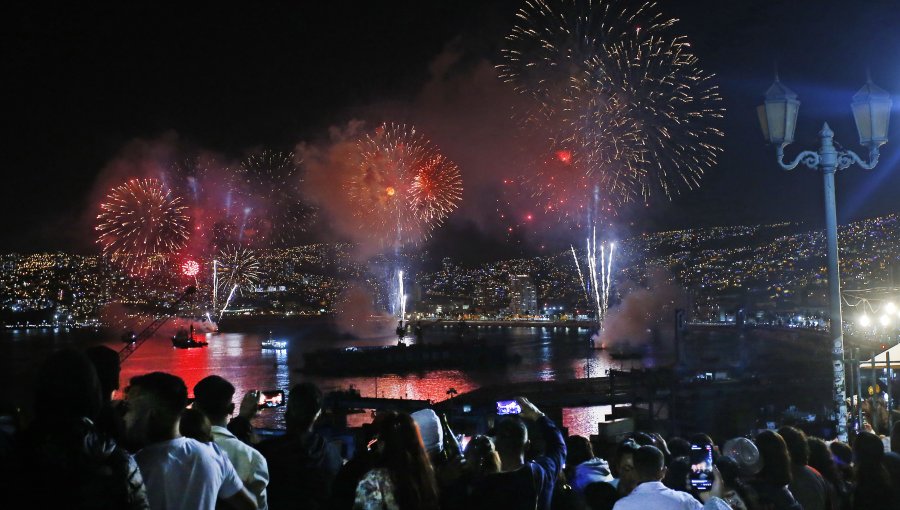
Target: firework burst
{"x": 404, "y": 187}
{"x": 616, "y": 92}
{"x": 659, "y": 101}
{"x": 142, "y": 224}
{"x": 237, "y": 270}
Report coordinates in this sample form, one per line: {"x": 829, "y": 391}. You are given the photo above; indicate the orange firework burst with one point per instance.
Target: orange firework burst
{"x": 404, "y": 187}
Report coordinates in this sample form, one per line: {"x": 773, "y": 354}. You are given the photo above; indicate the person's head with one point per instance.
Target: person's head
{"x": 820, "y": 459}
{"x": 106, "y": 363}
{"x": 154, "y": 405}
{"x": 679, "y": 447}
{"x": 677, "y": 474}
{"x": 304, "y": 406}
{"x": 867, "y": 450}
{"x": 776, "y": 461}
{"x": 400, "y": 450}
{"x": 624, "y": 465}
{"x": 213, "y": 397}
{"x": 196, "y": 425}
{"x": 578, "y": 450}
{"x": 729, "y": 470}
{"x": 481, "y": 457}
{"x": 511, "y": 438}
{"x": 431, "y": 431}
{"x": 67, "y": 389}
{"x": 649, "y": 464}
{"x": 796, "y": 444}
{"x": 842, "y": 455}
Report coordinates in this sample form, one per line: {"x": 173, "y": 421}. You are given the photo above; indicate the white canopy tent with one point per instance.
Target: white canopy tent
{"x": 881, "y": 359}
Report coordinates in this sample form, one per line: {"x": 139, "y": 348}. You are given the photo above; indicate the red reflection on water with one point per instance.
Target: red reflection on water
{"x": 582, "y": 421}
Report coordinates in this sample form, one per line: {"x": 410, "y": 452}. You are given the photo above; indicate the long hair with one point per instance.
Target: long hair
{"x": 404, "y": 456}
{"x": 776, "y": 459}
{"x": 868, "y": 456}
{"x": 820, "y": 459}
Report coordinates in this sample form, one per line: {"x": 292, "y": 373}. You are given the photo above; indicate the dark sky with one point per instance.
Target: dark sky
{"x": 82, "y": 81}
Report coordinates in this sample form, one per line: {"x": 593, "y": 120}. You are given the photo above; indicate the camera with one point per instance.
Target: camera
{"x": 508, "y": 407}
{"x": 271, "y": 398}
{"x": 701, "y": 467}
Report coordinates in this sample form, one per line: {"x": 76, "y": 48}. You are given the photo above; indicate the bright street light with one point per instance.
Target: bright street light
{"x": 864, "y": 320}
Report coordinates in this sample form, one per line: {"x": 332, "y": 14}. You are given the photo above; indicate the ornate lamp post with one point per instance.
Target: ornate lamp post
{"x": 778, "y": 118}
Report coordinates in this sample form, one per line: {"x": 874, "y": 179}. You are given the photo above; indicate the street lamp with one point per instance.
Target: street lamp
{"x": 778, "y": 118}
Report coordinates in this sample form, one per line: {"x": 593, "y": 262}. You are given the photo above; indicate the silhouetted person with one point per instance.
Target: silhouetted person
{"x": 213, "y": 397}
{"x": 521, "y": 484}
{"x": 807, "y": 485}
{"x": 650, "y": 493}
{"x": 106, "y": 363}
{"x": 302, "y": 464}
{"x": 62, "y": 460}
{"x": 402, "y": 477}
{"x": 771, "y": 483}
{"x": 180, "y": 473}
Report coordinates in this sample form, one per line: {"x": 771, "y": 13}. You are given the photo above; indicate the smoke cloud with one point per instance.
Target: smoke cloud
{"x": 645, "y": 315}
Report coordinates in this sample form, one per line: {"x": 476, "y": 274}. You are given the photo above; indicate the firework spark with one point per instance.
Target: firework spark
{"x": 190, "y": 268}
{"x": 269, "y": 180}
{"x": 142, "y": 224}
{"x": 404, "y": 187}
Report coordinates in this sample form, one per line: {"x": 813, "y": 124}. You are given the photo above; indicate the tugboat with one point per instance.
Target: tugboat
{"x": 272, "y": 344}
{"x": 185, "y": 340}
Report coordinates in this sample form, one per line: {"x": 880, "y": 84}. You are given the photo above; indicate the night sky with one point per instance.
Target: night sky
{"x": 82, "y": 81}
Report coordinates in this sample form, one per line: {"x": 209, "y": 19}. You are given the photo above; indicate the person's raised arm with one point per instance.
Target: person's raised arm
{"x": 555, "y": 446}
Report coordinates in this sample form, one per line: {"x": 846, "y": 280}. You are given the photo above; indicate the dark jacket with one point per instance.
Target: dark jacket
{"x": 74, "y": 466}
{"x": 530, "y": 484}
{"x": 302, "y": 469}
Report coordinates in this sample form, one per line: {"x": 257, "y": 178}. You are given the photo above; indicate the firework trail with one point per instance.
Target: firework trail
{"x": 401, "y": 296}
{"x": 580, "y": 274}
{"x": 270, "y": 181}
{"x": 599, "y": 282}
{"x": 404, "y": 187}
{"x": 142, "y": 224}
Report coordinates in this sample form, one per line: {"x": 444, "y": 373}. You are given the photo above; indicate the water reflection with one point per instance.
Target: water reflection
{"x": 547, "y": 354}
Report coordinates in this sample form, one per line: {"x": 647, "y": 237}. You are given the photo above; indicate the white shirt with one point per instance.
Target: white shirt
{"x": 656, "y": 496}
{"x": 186, "y": 474}
{"x": 250, "y": 465}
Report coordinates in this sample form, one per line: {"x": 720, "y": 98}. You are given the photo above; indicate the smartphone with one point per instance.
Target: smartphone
{"x": 271, "y": 398}
{"x": 701, "y": 467}
{"x": 508, "y": 407}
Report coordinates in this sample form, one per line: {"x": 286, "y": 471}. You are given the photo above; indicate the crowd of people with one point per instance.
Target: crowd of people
{"x": 152, "y": 450}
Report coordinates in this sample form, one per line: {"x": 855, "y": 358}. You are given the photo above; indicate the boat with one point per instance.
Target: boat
{"x": 272, "y": 344}
{"x": 184, "y": 339}
{"x": 406, "y": 359}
